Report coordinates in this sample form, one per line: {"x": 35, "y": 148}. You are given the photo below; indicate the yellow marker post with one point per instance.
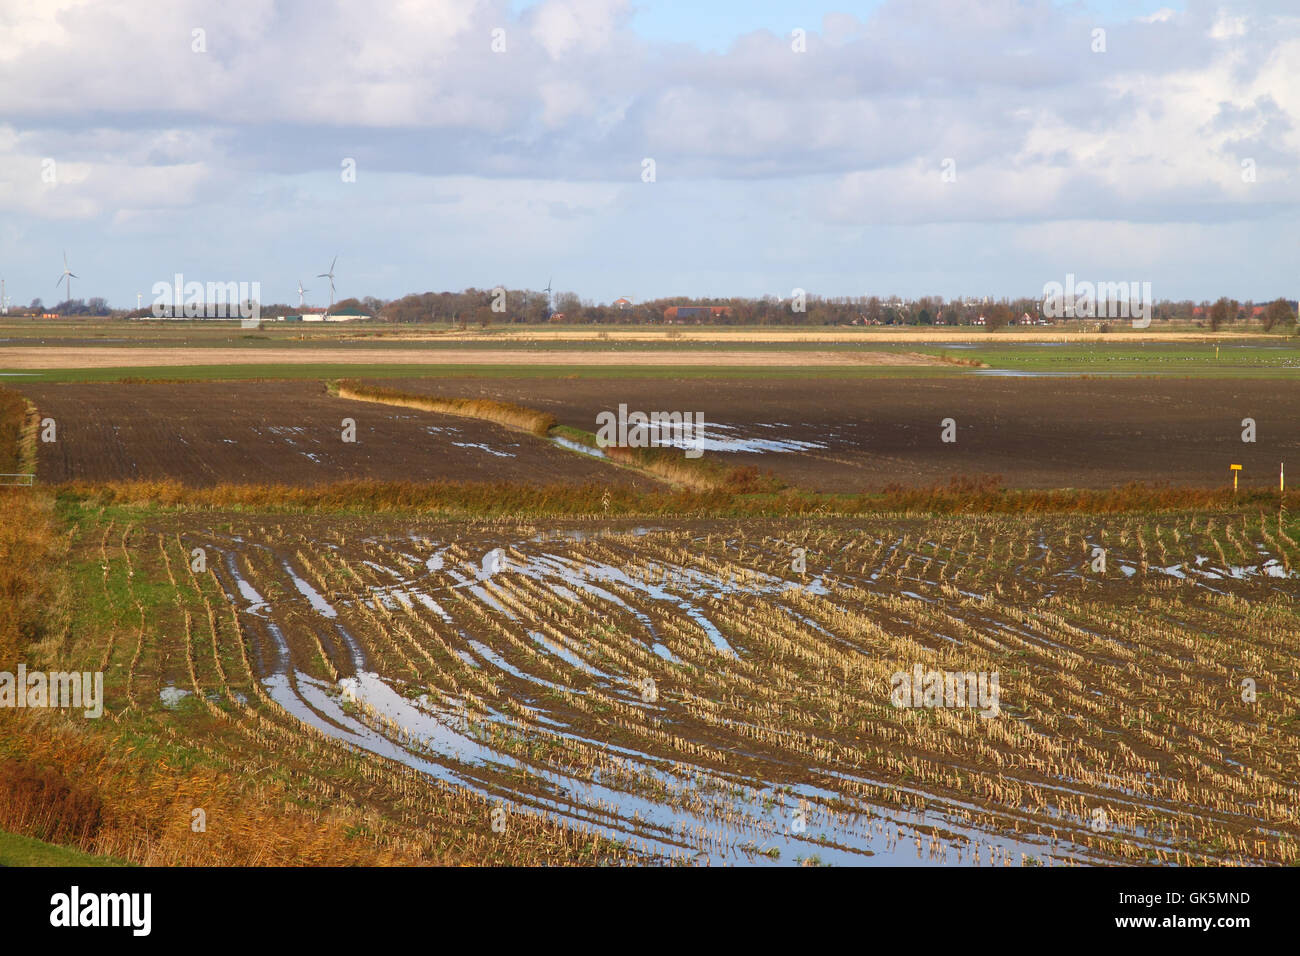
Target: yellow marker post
{"x": 1281, "y": 477}
{"x": 1235, "y": 470}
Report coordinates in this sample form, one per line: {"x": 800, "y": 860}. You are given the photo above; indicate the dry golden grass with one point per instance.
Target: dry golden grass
{"x": 41, "y": 802}
{"x": 501, "y": 413}
{"x": 13, "y": 422}
{"x": 32, "y": 593}
{"x": 736, "y": 493}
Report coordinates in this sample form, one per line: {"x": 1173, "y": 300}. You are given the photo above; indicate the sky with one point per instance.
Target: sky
{"x": 645, "y": 149}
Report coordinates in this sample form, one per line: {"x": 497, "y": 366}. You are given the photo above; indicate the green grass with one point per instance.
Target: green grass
{"x": 577, "y": 435}
{"x": 1271, "y": 357}
{"x": 24, "y": 851}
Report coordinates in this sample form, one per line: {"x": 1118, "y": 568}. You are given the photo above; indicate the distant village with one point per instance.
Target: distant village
{"x": 496, "y": 307}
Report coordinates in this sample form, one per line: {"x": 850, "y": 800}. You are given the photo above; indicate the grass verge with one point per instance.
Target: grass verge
{"x": 17, "y": 850}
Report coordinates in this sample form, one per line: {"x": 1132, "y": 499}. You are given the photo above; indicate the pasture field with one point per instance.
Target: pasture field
{"x": 1275, "y": 357}
{"x": 675, "y": 692}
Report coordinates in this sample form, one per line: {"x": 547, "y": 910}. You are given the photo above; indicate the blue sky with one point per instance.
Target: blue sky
{"x": 715, "y": 24}
{"x": 912, "y": 147}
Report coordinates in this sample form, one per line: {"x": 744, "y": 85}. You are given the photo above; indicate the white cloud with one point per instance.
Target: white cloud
{"x": 585, "y": 26}
{"x": 1043, "y": 130}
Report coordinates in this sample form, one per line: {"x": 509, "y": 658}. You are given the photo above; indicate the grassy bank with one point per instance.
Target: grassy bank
{"x": 16, "y": 850}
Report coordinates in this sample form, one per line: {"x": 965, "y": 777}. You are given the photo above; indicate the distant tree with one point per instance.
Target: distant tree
{"x": 1219, "y": 314}
{"x": 37, "y": 305}
{"x": 997, "y": 316}
{"x": 350, "y": 305}
{"x": 97, "y": 306}
{"x": 1278, "y": 313}
{"x": 874, "y": 312}
{"x": 72, "y": 307}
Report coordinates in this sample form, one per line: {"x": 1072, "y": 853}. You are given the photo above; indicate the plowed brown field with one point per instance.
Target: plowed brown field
{"x": 848, "y": 435}
{"x": 282, "y": 433}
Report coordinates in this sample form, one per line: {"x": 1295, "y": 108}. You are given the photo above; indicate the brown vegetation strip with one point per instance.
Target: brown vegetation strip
{"x": 13, "y": 414}
{"x": 502, "y": 413}
{"x": 49, "y": 357}
{"x": 968, "y": 496}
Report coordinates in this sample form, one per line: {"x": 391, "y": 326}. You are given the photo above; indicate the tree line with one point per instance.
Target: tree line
{"x": 476, "y": 307}
{"x": 488, "y": 307}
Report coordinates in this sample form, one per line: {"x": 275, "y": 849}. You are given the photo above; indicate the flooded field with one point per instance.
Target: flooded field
{"x": 292, "y": 433}
{"x": 1035, "y": 428}
{"x": 728, "y": 693}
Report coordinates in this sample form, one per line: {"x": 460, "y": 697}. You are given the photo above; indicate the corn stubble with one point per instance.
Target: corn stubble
{"x": 1120, "y": 690}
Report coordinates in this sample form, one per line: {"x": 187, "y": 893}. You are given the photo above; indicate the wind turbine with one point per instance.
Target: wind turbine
{"x": 301, "y": 290}
{"x": 548, "y": 298}
{"x": 68, "y": 276}
{"x": 330, "y": 275}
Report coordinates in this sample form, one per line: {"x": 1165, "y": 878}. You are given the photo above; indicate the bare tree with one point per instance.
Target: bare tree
{"x": 1219, "y": 314}
{"x": 1278, "y": 313}
{"x": 997, "y": 316}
